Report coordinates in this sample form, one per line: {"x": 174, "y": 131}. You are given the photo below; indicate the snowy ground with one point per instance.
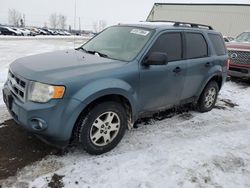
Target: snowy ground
{"x": 188, "y": 150}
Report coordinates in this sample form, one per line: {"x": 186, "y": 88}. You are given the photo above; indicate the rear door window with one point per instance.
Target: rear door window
{"x": 196, "y": 46}
{"x": 218, "y": 44}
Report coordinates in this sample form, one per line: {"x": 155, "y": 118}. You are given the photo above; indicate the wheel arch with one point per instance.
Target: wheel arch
{"x": 106, "y": 90}
{"x": 126, "y": 103}
{"x": 217, "y": 77}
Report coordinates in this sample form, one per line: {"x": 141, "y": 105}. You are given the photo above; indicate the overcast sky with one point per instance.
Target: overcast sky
{"x": 37, "y": 12}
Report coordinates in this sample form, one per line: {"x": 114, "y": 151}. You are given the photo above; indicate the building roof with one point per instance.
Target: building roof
{"x": 205, "y": 4}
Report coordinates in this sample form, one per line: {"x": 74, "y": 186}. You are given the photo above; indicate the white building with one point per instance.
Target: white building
{"x": 229, "y": 19}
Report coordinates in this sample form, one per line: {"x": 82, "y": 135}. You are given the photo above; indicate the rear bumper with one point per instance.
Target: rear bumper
{"x": 239, "y": 71}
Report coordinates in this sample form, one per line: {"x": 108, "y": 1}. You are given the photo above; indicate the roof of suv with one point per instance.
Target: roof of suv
{"x": 170, "y": 25}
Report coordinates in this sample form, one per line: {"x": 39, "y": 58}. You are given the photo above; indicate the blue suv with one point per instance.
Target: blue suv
{"x": 92, "y": 94}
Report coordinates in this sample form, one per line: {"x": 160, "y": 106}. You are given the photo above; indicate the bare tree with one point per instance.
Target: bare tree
{"x": 14, "y": 17}
{"x": 62, "y": 21}
{"x": 53, "y": 20}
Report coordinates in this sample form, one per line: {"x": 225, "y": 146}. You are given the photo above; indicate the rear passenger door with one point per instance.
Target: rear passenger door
{"x": 161, "y": 85}
{"x": 198, "y": 63}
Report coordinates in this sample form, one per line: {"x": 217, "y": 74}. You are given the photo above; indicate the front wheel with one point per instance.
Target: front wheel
{"x": 102, "y": 128}
{"x": 208, "y": 97}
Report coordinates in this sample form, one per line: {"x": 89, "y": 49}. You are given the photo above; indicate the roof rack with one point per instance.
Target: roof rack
{"x": 185, "y": 24}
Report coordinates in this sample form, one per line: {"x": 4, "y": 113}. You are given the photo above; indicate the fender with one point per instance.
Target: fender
{"x": 107, "y": 86}
{"x": 93, "y": 91}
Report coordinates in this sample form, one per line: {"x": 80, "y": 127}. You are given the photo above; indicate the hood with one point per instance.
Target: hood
{"x": 238, "y": 46}
{"x": 56, "y": 67}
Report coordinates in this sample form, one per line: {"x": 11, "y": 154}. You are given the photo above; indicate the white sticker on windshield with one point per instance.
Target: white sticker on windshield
{"x": 139, "y": 32}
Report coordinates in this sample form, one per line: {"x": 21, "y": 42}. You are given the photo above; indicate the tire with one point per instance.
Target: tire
{"x": 102, "y": 128}
{"x": 208, "y": 97}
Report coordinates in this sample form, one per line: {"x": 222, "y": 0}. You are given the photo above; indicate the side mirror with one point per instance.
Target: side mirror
{"x": 156, "y": 58}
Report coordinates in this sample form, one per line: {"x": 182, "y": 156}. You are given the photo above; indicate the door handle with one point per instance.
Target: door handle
{"x": 208, "y": 64}
{"x": 177, "y": 70}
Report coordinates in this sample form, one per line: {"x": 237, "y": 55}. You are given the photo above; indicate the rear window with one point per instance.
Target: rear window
{"x": 218, "y": 44}
{"x": 196, "y": 46}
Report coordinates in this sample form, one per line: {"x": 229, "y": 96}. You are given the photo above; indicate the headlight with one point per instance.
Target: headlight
{"x": 40, "y": 92}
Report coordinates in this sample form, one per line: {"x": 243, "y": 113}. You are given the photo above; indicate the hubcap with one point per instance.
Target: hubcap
{"x": 105, "y": 128}
{"x": 210, "y": 97}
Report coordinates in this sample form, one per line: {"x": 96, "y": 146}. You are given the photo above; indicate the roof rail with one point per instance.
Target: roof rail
{"x": 185, "y": 24}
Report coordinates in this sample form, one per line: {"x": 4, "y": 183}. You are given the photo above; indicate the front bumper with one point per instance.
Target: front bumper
{"x": 57, "y": 117}
{"x": 239, "y": 71}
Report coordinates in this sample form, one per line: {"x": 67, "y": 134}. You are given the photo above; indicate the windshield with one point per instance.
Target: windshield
{"x": 243, "y": 37}
{"x": 119, "y": 42}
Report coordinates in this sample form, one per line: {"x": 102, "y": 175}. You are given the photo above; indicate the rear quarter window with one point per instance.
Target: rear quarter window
{"x": 196, "y": 46}
{"x": 218, "y": 43}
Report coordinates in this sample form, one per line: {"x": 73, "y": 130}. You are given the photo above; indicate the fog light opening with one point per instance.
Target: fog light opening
{"x": 38, "y": 124}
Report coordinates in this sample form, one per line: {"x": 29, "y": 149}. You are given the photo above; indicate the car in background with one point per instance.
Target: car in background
{"x": 239, "y": 52}
{"x": 61, "y": 33}
{"x": 66, "y": 33}
{"x": 49, "y": 31}
{"x": 32, "y": 33}
{"x": 18, "y": 30}
{"x": 42, "y": 31}
{"x": 9, "y": 31}
{"x": 25, "y": 31}
{"x": 39, "y": 31}
{"x": 57, "y": 32}
{"x": 228, "y": 39}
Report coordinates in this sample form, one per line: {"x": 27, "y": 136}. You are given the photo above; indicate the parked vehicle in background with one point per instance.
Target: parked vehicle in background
{"x": 32, "y": 33}
{"x": 49, "y": 31}
{"x": 228, "y": 39}
{"x": 25, "y": 31}
{"x": 9, "y": 31}
{"x": 66, "y": 33}
{"x": 60, "y": 32}
{"x": 18, "y": 30}
{"x": 34, "y": 30}
{"x": 42, "y": 31}
{"x": 239, "y": 52}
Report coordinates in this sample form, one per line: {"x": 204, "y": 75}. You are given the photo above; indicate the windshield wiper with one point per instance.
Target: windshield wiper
{"x": 81, "y": 48}
{"x": 93, "y": 52}
{"x": 99, "y": 53}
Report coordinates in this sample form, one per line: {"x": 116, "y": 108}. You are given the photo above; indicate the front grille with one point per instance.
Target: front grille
{"x": 17, "y": 85}
{"x": 239, "y": 57}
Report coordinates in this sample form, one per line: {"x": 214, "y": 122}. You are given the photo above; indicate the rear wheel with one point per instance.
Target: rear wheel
{"x": 208, "y": 97}
{"x": 102, "y": 128}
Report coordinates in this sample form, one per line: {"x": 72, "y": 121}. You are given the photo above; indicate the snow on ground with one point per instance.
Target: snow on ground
{"x": 4, "y": 115}
{"x": 188, "y": 150}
